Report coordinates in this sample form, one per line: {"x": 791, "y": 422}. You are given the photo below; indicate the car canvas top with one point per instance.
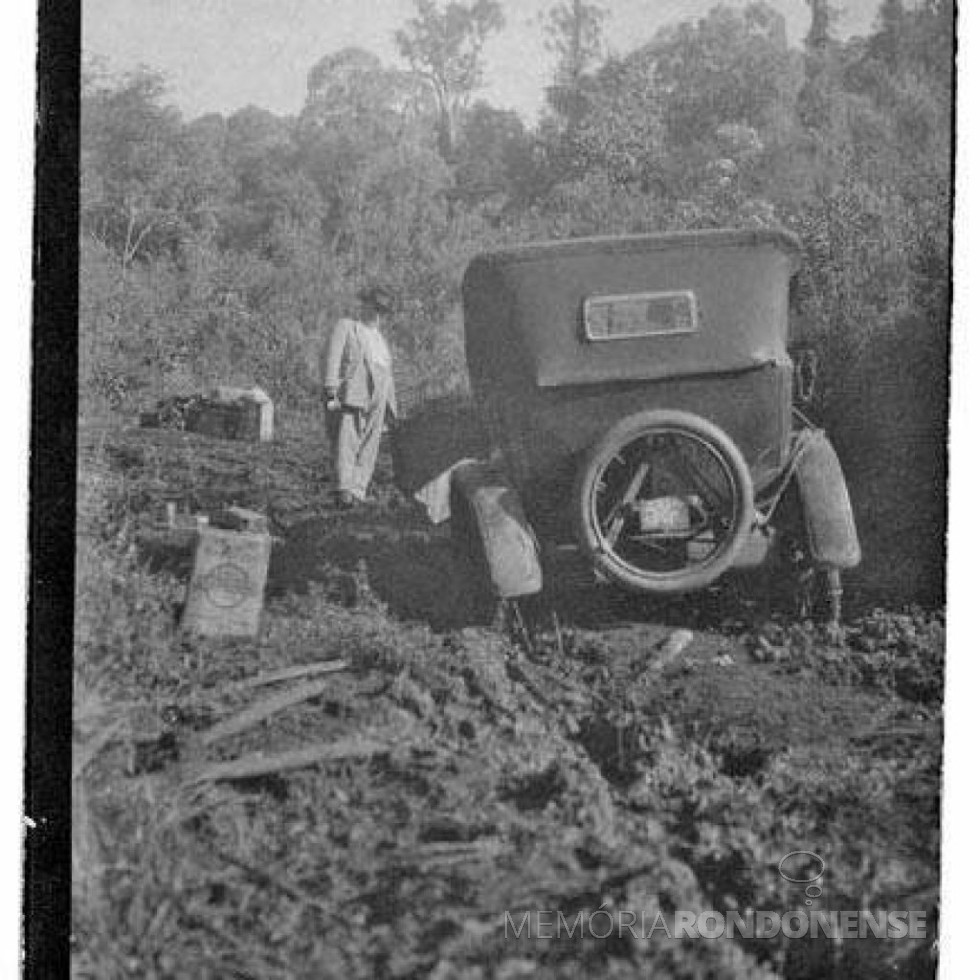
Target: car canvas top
{"x": 526, "y": 309}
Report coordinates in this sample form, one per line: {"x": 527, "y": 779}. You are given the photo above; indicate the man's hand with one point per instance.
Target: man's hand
{"x": 330, "y": 400}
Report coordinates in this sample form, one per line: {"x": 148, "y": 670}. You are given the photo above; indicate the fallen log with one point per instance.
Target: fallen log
{"x": 261, "y": 710}
{"x": 260, "y": 764}
{"x": 451, "y": 854}
{"x": 91, "y": 749}
{"x": 293, "y": 673}
{"x": 452, "y": 848}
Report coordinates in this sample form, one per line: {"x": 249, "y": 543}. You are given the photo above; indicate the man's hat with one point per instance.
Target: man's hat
{"x": 379, "y": 298}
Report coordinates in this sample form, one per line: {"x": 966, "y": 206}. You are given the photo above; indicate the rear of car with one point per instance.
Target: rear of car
{"x": 565, "y": 339}
{"x": 636, "y": 398}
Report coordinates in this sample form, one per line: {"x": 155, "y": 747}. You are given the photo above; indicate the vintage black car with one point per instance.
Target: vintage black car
{"x": 637, "y": 397}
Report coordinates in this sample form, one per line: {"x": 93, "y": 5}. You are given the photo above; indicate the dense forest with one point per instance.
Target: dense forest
{"x": 215, "y": 249}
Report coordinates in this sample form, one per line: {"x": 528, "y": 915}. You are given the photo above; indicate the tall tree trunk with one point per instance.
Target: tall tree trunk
{"x": 819, "y": 33}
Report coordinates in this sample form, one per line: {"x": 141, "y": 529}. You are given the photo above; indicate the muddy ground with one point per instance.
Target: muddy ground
{"x": 459, "y": 769}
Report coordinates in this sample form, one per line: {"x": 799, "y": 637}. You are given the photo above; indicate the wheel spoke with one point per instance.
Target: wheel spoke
{"x": 715, "y": 500}
{"x": 613, "y": 525}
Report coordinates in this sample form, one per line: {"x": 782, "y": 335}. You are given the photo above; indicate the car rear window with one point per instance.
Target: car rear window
{"x": 640, "y": 315}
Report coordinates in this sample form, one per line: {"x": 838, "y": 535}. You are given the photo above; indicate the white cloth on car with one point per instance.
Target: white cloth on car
{"x": 435, "y": 495}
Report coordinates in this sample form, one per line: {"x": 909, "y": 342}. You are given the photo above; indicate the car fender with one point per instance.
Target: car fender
{"x": 831, "y": 532}
{"x": 508, "y": 540}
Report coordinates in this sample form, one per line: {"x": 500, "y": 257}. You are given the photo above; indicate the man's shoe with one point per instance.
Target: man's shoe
{"x": 345, "y": 500}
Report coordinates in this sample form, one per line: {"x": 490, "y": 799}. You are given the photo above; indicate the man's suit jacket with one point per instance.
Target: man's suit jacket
{"x": 346, "y": 368}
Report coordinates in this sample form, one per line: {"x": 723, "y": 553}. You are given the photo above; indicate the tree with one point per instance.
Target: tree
{"x": 574, "y": 35}
{"x": 148, "y": 180}
{"x": 916, "y": 39}
{"x": 822, "y": 17}
{"x": 365, "y": 141}
{"x": 445, "y": 48}
{"x": 353, "y": 84}
{"x": 129, "y": 160}
{"x": 620, "y": 129}
{"x": 733, "y": 66}
{"x": 494, "y": 153}
{"x": 702, "y": 103}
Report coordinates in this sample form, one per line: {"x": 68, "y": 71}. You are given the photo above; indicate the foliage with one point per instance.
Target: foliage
{"x": 220, "y": 248}
{"x": 575, "y": 37}
{"x": 573, "y": 33}
{"x": 444, "y": 47}
{"x": 148, "y": 180}
{"x": 495, "y": 164}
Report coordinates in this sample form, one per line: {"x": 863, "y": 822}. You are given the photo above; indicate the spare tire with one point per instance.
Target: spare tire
{"x": 664, "y": 502}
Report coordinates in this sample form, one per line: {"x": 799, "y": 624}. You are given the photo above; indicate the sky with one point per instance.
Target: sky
{"x": 221, "y": 55}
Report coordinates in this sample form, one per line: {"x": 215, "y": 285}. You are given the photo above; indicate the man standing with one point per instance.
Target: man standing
{"x": 358, "y": 393}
